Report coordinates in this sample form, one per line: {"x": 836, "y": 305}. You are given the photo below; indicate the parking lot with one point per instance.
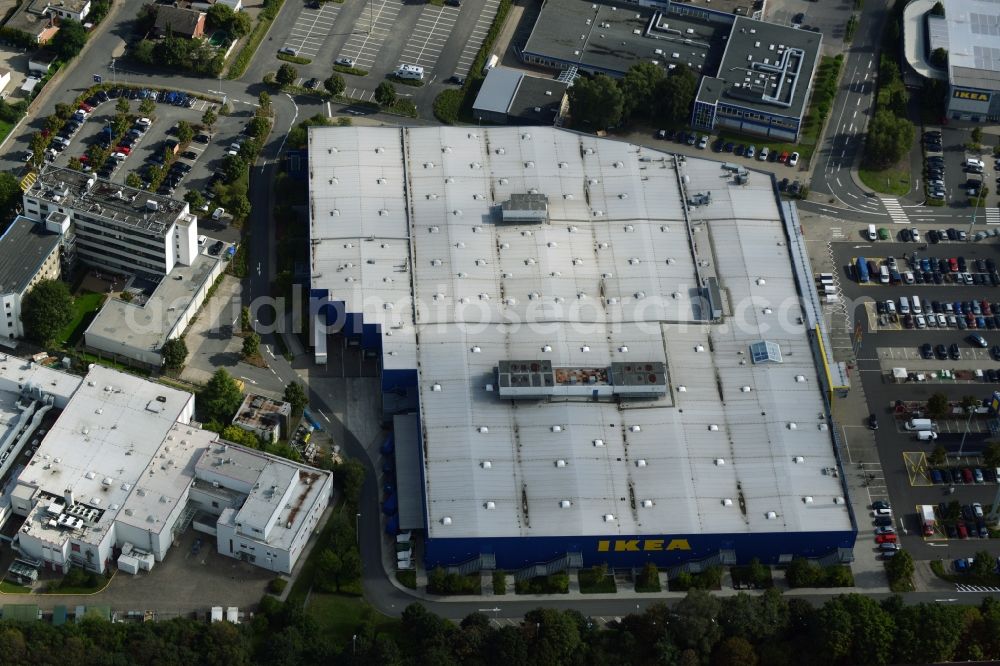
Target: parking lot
{"x": 947, "y": 176}
{"x": 475, "y": 41}
{"x": 371, "y": 30}
{"x": 311, "y": 29}
{"x": 904, "y": 475}
{"x": 143, "y": 145}
{"x": 429, "y": 36}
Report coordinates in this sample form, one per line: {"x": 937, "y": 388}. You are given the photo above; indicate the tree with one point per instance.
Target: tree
{"x": 10, "y": 196}
{"x": 939, "y": 57}
{"x": 147, "y": 106}
{"x": 246, "y": 322}
{"x": 46, "y": 310}
{"x": 286, "y": 75}
{"x": 220, "y": 398}
{"x": 977, "y": 134}
{"x": 696, "y": 623}
{"x": 237, "y": 435}
{"x": 900, "y": 567}
{"x": 209, "y": 118}
{"x": 758, "y": 574}
{"x": 251, "y": 345}
{"x": 233, "y": 166}
{"x": 938, "y": 455}
{"x": 992, "y": 454}
{"x": 239, "y": 207}
{"x": 174, "y": 353}
{"x": 335, "y": 84}
{"x": 219, "y": 16}
{"x": 937, "y": 405}
{"x": 982, "y": 564}
{"x": 264, "y": 101}
{"x": 596, "y": 101}
{"x": 122, "y": 105}
{"x": 184, "y": 130}
{"x": 639, "y": 89}
{"x": 385, "y": 94}
{"x": 241, "y": 24}
{"x": 70, "y": 39}
{"x": 735, "y": 651}
{"x": 676, "y": 94}
{"x": 133, "y": 180}
{"x": 889, "y": 138}
{"x": 350, "y": 476}
{"x": 194, "y": 199}
{"x": 296, "y": 396}
{"x": 328, "y": 568}
{"x": 258, "y": 126}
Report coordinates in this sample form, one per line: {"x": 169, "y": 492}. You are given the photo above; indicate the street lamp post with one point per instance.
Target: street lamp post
{"x": 968, "y": 421}
{"x": 357, "y": 528}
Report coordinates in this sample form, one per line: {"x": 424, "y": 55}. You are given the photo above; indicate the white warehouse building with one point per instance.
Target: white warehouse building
{"x": 124, "y": 470}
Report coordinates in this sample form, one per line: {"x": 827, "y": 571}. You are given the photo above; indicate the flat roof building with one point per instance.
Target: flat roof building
{"x": 763, "y": 84}
{"x": 111, "y": 226}
{"x": 585, "y": 395}
{"x": 124, "y": 469}
{"x": 265, "y": 417}
{"x": 968, "y": 31}
{"x": 30, "y": 254}
{"x": 509, "y": 96}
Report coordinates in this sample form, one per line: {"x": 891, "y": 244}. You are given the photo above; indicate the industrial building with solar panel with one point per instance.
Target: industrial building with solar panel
{"x": 591, "y": 351}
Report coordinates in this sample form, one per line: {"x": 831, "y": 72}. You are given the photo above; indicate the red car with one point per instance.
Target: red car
{"x": 962, "y": 532}
{"x": 967, "y": 474}
{"x": 987, "y": 310}
{"x": 86, "y": 107}
{"x": 885, "y": 538}
{"x": 124, "y": 149}
{"x": 783, "y": 157}
{"x": 953, "y": 264}
{"x": 84, "y": 159}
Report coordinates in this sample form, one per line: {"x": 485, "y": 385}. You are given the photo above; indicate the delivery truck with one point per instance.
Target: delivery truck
{"x": 928, "y": 521}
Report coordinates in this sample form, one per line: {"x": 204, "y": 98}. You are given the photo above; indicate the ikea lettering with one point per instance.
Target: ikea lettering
{"x": 971, "y": 95}
{"x": 638, "y": 545}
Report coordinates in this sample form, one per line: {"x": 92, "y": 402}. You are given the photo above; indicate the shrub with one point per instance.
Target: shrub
{"x": 277, "y": 586}
{"x": 447, "y": 106}
{"x": 499, "y": 582}
{"x": 407, "y": 577}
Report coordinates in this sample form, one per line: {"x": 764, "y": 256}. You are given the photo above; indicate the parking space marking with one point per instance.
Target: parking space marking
{"x": 311, "y": 29}
{"x": 365, "y": 43}
{"x": 429, "y": 36}
{"x": 360, "y": 94}
{"x": 477, "y": 37}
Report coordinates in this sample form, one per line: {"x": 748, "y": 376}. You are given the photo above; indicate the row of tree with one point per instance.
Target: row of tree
{"x": 646, "y": 92}
{"x": 700, "y": 629}
{"x": 890, "y": 133}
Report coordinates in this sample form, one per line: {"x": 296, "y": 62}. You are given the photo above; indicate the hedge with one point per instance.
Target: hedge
{"x": 243, "y": 58}
{"x": 344, "y": 69}
{"x": 296, "y": 59}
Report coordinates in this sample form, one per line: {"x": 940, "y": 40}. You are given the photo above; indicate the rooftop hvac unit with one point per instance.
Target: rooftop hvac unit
{"x": 565, "y": 504}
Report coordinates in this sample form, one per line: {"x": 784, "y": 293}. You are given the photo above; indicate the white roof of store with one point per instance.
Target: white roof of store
{"x": 974, "y": 43}
{"x": 610, "y": 277}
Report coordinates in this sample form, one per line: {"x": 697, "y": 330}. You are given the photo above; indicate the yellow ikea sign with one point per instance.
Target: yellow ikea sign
{"x": 637, "y": 545}
{"x": 970, "y": 95}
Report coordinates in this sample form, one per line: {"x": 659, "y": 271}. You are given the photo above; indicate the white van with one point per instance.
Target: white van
{"x": 915, "y": 304}
{"x": 872, "y": 234}
{"x": 926, "y": 435}
{"x": 410, "y": 72}
{"x": 491, "y": 62}
{"x": 904, "y": 305}
{"x": 920, "y": 424}
{"x": 974, "y": 162}
{"x": 826, "y": 278}
{"x": 883, "y": 275}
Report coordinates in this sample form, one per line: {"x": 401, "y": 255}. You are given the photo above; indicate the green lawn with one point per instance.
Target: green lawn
{"x": 5, "y": 128}
{"x": 85, "y": 306}
{"x": 339, "y": 617}
{"x": 887, "y": 181}
{"x": 13, "y": 588}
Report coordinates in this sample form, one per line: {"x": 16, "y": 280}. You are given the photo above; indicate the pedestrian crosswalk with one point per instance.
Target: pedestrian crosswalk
{"x": 992, "y": 215}
{"x": 895, "y": 210}
{"x": 975, "y": 588}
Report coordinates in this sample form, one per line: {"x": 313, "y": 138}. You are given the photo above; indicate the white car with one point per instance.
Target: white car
{"x": 764, "y": 152}
{"x": 118, "y": 156}
{"x": 916, "y": 235}
{"x": 218, "y": 213}
{"x": 793, "y": 159}
{"x": 346, "y": 62}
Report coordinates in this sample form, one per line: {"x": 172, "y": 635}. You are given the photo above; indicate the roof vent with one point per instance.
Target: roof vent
{"x": 699, "y": 348}
{"x": 623, "y": 349}
{"x": 807, "y": 499}
{"x": 585, "y": 348}
{"x": 838, "y": 500}
{"x": 647, "y": 504}
{"x": 719, "y": 462}
{"x": 547, "y": 348}
{"x": 641, "y": 462}
{"x": 487, "y": 464}
{"x": 798, "y": 460}
{"x": 609, "y": 517}
{"x": 598, "y": 442}
{"x": 800, "y": 378}
{"x": 490, "y": 505}
{"x": 771, "y": 515}
{"x": 727, "y": 502}
{"x": 483, "y": 429}
{"x": 682, "y": 389}
{"x": 565, "y": 504}
{"x": 557, "y": 428}
{"x": 435, "y": 387}
{"x": 560, "y": 463}
{"x": 793, "y": 426}
{"x": 477, "y": 349}
{"x": 446, "y": 520}
{"x": 713, "y": 427}
{"x": 635, "y": 428}
{"x": 745, "y": 389}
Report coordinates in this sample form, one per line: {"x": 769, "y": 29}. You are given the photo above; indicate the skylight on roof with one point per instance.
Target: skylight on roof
{"x": 765, "y": 352}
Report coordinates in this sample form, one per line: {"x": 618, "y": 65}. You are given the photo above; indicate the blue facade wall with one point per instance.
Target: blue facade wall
{"x": 633, "y": 551}
{"x": 398, "y": 379}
